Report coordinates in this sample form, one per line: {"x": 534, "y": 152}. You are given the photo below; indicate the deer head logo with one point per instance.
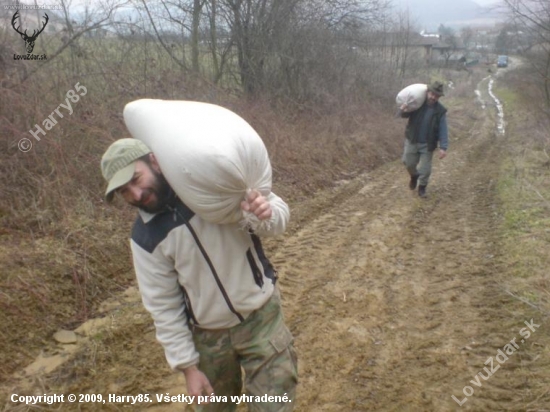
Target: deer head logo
{"x": 29, "y": 40}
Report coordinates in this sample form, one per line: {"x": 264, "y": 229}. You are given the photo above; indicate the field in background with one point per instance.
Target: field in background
{"x": 524, "y": 189}
{"x": 65, "y": 252}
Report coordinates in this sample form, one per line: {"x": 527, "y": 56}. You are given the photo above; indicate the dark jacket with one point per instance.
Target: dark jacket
{"x": 437, "y": 131}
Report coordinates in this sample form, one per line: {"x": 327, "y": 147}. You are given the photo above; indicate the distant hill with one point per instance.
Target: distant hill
{"x": 429, "y": 14}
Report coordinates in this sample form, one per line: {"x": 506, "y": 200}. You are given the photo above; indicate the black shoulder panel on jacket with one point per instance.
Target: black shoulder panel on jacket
{"x": 149, "y": 235}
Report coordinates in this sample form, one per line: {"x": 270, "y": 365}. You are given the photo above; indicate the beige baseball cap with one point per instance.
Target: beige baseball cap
{"x": 118, "y": 163}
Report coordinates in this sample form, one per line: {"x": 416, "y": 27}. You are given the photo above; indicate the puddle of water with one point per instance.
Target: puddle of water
{"x": 478, "y": 95}
{"x": 500, "y": 110}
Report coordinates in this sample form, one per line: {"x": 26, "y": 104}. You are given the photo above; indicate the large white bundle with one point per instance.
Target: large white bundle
{"x": 209, "y": 155}
{"x": 413, "y": 96}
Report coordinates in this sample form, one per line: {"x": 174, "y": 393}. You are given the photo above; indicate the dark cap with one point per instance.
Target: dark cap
{"x": 437, "y": 88}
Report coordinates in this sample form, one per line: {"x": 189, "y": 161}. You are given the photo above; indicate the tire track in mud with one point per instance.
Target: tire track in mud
{"x": 395, "y": 302}
{"x": 323, "y": 280}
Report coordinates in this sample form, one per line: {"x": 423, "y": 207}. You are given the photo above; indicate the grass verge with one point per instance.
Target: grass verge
{"x": 524, "y": 192}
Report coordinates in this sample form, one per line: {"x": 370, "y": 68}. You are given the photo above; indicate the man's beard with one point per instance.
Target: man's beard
{"x": 162, "y": 192}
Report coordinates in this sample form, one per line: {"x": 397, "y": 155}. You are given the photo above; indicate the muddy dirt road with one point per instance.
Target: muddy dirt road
{"x": 397, "y": 303}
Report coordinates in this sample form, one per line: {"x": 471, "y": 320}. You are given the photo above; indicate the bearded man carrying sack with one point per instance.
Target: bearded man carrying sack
{"x": 425, "y": 131}
{"x": 209, "y": 287}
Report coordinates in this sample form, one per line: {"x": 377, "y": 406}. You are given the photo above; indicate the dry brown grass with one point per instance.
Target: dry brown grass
{"x": 524, "y": 190}
{"x": 65, "y": 251}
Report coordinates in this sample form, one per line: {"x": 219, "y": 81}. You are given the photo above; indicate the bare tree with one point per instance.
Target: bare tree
{"x": 155, "y": 20}
{"x": 533, "y": 17}
{"x": 277, "y": 40}
{"x": 405, "y": 27}
{"x": 91, "y": 20}
{"x": 467, "y": 34}
{"x": 449, "y": 38}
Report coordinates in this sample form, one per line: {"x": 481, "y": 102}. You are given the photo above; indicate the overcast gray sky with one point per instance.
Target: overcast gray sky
{"x": 486, "y": 2}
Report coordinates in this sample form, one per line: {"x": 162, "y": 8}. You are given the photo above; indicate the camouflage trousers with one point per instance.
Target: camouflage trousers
{"x": 262, "y": 346}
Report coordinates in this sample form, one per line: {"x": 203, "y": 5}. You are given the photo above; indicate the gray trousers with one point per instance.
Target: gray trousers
{"x": 418, "y": 161}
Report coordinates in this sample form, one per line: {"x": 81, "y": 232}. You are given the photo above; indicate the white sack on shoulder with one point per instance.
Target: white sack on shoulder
{"x": 413, "y": 96}
{"x": 209, "y": 155}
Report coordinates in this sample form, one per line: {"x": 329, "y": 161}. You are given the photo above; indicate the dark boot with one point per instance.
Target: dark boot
{"x": 422, "y": 191}
{"x": 412, "y": 183}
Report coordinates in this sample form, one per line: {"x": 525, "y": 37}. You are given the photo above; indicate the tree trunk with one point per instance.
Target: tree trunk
{"x": 197, "y": 8}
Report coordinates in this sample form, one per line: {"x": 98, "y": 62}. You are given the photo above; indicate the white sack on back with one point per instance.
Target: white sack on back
{"x": 413, "y": 96}
{"x": 209, "y": 155}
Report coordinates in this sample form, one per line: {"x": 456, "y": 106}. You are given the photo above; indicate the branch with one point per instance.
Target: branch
{"x": 526, "y": 15}
{"x": 173, "y": 19}
{"x": 61, "y": 49}
{"x": 164, "y": 46}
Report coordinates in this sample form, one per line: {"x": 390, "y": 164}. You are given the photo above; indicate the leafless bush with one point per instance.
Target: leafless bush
{"x": 314, "y": 104}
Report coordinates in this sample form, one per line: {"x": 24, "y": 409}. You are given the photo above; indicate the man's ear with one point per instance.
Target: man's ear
{"x": 154, "y": 163}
